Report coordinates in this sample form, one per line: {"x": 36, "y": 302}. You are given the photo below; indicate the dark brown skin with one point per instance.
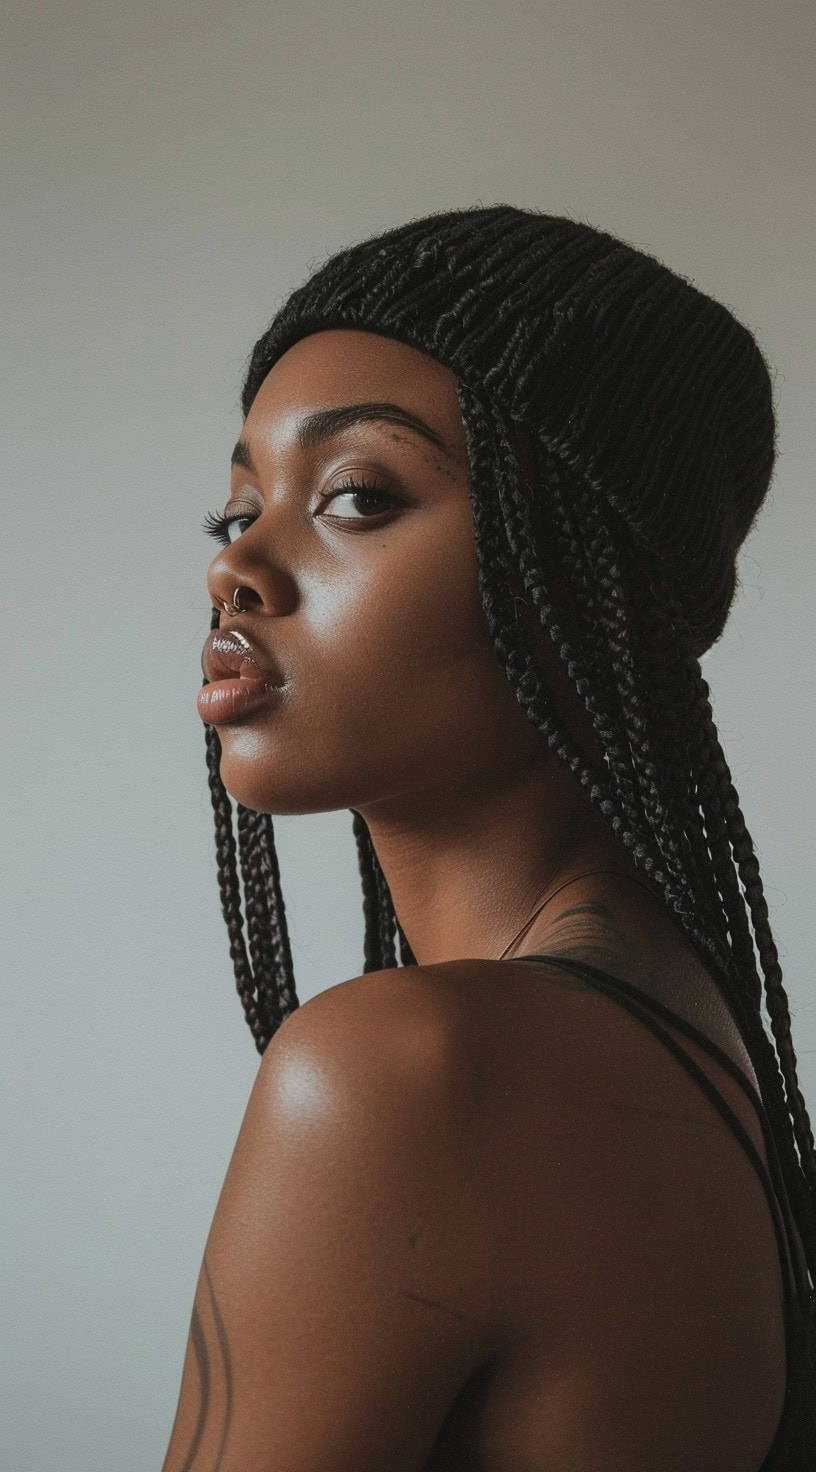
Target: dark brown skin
{"x": 477, "y": 1218}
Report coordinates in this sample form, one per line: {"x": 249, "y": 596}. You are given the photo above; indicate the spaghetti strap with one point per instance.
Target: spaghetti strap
{"x": 797, "y": 1290}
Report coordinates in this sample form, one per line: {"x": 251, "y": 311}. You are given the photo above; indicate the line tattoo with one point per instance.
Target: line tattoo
{"x": 223, "y": 1344}
{"x": 209, "y": 1354}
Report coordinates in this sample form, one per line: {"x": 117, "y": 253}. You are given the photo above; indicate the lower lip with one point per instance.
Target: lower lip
{"x": 224, "y": 700}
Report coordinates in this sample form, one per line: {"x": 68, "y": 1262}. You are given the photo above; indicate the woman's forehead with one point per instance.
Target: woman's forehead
{"x": 342, "y": 366}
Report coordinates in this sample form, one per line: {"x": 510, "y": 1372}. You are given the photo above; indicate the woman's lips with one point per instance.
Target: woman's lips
{"x": 226, "y": 653}
{"x": 223, "y": 700}
{"x": 239, "y": 674}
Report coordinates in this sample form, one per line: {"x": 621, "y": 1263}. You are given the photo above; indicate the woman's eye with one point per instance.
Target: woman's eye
{"x": 367, "y": 501}
{"x": 373, "y": 500}
{"x": 217, "y": 525}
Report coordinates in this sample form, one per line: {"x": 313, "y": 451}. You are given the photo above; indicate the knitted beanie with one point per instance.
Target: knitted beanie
{"x": 651, "y": 392}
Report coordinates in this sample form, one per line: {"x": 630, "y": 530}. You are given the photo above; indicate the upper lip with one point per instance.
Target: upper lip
{"x": 231, "y": 652}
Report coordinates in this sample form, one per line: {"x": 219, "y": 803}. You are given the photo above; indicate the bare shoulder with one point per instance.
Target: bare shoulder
{"x": 446, "y": 1037}
{"x": 563, "y": 1099}
{"x": 571, "y": 1190}
{"x": 343, "y": 1266}
{"x": 380, "y": 1030}
{"x": 439, "y": 1035}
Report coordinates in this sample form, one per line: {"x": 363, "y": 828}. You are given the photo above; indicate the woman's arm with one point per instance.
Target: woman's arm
{"x": 323, "y": 1336}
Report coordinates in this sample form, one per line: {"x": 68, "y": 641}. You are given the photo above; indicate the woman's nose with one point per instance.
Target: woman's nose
{"x": 263, "y": 590}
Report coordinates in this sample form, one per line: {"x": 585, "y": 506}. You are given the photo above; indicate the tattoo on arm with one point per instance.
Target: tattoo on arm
{"x": 213, "y": 1401}
{"x": 202, "y": 1359}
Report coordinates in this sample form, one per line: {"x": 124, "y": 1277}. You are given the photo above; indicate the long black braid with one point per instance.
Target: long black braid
{"x": 649, "y": 412}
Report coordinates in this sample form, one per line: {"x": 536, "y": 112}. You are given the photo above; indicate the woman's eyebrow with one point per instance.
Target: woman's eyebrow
{"x": 321, "y": 424}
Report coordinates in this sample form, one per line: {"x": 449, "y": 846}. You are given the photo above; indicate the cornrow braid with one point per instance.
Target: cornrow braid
{"x": 518, "y": 521}
{"x": 230, "y": 892}
{"x": 378, "y": 911}
{"x": 648, "y": 412}
{"x": 653, "y": 771}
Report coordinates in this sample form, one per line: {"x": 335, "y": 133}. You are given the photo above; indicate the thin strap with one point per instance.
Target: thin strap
{"x": 634, "y": 1001}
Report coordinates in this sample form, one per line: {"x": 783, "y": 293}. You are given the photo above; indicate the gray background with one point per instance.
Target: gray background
{"x": 170, "y": 172}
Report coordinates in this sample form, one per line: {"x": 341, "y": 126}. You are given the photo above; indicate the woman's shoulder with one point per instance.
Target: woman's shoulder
{"x": 621, "y": 1235}
{"x": 550, "y": 1074}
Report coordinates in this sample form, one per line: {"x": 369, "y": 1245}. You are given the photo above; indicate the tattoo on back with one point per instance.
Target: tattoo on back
{"x": 588, "y": 932}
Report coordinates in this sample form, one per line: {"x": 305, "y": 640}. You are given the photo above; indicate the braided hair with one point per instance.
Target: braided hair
{"x": 648, "y": 412}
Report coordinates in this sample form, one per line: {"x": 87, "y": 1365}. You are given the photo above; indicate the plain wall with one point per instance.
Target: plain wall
{"x": 171, "y": 171}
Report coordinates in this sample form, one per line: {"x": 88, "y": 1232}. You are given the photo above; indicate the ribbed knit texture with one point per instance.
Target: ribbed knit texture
{"x": 652, "y": 392}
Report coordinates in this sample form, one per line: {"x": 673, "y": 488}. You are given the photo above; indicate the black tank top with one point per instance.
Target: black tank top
{"x": 793, "y": 1448}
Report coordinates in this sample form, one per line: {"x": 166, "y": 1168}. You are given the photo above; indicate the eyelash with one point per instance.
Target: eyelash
{"x": 217, "y": 525}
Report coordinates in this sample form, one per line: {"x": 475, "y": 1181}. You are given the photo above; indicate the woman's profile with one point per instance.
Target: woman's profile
{"x": 536, "y": 1190}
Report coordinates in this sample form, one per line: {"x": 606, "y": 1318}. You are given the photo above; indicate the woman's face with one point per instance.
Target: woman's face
{"x": 365, "y": 602}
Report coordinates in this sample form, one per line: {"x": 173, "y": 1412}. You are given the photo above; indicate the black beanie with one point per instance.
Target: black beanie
{"x": 651, "y": 392}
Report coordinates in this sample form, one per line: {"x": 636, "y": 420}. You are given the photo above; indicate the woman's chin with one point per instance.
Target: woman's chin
{"x": 281, "y": 794}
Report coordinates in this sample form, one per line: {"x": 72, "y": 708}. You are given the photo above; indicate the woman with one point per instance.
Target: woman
{"x": 547, "y": 1198}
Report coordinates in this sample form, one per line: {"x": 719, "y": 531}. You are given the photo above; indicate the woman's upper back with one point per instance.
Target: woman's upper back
{"x": 635, "y": 1255}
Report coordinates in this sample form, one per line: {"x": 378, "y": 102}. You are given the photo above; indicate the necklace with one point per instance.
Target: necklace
{"x": 525, "y": 927}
